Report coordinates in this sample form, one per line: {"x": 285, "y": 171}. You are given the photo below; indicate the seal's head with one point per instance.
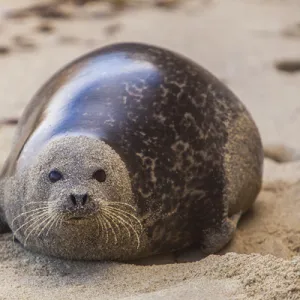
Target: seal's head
{"x": 76, "y": 192}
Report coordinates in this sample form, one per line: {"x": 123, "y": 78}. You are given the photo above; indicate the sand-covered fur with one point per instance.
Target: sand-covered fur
{"x": 189, "y": 151}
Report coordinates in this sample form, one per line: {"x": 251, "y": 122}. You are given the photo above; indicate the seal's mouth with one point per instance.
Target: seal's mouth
{"x": 77, "y": 217}
{"x": 79, "y": 214}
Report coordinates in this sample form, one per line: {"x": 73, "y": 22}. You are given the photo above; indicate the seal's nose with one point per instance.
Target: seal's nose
{"x": 79, "y": 199}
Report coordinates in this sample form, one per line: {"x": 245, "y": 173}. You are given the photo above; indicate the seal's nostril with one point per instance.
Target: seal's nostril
{"x": 79, "y": 199}
{"x": 73, "y": 199}
{"x": 84, "y": 198}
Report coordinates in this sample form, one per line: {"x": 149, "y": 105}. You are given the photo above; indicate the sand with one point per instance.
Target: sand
{"x": 243, "y": 43}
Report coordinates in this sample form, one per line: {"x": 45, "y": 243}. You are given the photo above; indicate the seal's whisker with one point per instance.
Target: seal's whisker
{"x": 122, "y": 203}
{"x": 61, "y": 221}
{"x": 130, "y": 225}
{"x": 32, "y": 217}
{"x": 110, "y": 222}
{"x": 115, "y": 222}
{"x": 108, "y": 225}
{"x": 56, "y": 216}
{"x": 105, "y": 229}
{"x": 119, "y": 213}
{"x": 35, "y": 228}
{"x": 120, "y": 220}
{"x": 128, "y": 217}
{"x": 36, "y": 220}
{"x": 58, "y": 219}
{"x": 98, "y": 225}
{"x": 47, "y": 224}
{"x": 102, "y": 226}
{"x": 127, "y": 214}
{"x": 26, "y": 213}
{"x": 41, "y": 214}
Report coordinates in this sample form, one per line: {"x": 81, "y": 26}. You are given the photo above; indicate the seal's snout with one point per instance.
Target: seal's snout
{"x": 79, "y": 206}
{"x": 78, "y": 200}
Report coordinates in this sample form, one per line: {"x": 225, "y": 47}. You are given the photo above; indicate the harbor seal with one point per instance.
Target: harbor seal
{"x": 129, "y": 151}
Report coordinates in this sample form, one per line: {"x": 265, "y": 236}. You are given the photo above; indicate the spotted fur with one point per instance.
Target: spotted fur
{"x": 176, "y": 127}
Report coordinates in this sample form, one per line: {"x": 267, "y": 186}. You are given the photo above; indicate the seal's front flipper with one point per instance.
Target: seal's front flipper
{"x": 217, "y": 238}
{"x": 214, "y": 241}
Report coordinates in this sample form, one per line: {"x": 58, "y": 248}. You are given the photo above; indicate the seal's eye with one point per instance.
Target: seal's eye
{"x": 100, "y": 175}
{"x": 55, "y": 176}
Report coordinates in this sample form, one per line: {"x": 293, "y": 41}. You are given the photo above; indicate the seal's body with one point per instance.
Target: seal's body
{"x": 129, "y": 151}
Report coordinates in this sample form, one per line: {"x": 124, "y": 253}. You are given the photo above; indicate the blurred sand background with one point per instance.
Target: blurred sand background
{"x": 247, "y": 44}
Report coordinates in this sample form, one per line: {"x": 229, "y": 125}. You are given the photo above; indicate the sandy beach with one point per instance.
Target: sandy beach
{"x": 252, "y": 46}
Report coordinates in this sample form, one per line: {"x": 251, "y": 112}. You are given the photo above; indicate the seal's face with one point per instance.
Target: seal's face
{"x": 78, "y": 192}
{"x": 77, "y": 179}
{"x": 73, "y": 200}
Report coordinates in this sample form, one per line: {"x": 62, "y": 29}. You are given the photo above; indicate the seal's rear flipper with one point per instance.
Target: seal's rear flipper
{"x": 218, "y": 238}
